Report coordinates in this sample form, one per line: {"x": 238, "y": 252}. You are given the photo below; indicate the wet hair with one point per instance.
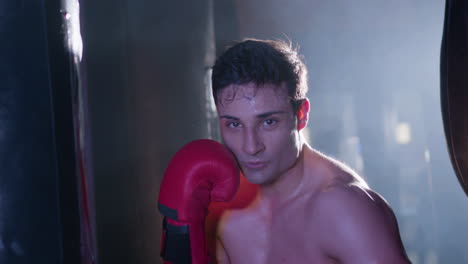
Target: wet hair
{"x": 262, "y": 62}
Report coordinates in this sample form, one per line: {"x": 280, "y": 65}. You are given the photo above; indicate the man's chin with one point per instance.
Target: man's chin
{"x": 256, "y": 177}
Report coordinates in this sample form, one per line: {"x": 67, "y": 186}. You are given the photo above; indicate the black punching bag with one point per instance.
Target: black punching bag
{"x": 39, "y": 194}
{"x": 454, "y": 86}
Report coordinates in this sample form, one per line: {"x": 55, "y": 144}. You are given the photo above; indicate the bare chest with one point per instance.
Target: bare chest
{"x": 279, "y": 238}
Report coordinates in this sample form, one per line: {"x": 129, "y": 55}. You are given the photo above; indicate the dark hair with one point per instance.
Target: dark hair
{"x": 262, "y": 62}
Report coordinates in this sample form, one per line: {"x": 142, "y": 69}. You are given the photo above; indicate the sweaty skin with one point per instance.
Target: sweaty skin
{"x": 309, "y": 208}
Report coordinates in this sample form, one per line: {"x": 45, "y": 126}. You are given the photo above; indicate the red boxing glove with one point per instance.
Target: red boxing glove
{"x": 203, "y": 171}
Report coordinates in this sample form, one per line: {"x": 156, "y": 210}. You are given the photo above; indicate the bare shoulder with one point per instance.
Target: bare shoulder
{"x": 345, "y": 189}
{"x": 350, "y": 201}
{"x": 232, "y": 223}
{"x": 228, "y": 224}
{"x": 355, "y": 224}
{"x": 239, "y": 236}
{"x": 225, "y": 236}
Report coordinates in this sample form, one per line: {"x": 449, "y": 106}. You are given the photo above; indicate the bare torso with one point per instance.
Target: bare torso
{"x": 293, "y": 231}
{"x": 276, "y": 238}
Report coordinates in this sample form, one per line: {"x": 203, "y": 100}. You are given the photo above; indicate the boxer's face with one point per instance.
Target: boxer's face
{"x": 258, "y": 125}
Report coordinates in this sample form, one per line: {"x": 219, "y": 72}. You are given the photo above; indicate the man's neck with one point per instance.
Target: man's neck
{"x": 288, "y": 185}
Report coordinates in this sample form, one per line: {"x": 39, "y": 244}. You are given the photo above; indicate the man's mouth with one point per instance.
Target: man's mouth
{"x": 255, "y": 165}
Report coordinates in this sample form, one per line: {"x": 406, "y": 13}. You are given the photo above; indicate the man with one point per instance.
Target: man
{"x": 310, "y": 208}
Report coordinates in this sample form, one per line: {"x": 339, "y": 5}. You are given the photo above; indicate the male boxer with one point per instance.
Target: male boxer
{"x": 310, "y": 208}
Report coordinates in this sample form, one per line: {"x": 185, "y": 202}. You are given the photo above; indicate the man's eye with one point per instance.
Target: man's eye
{"x": 270, "y": 122}
{"x": 233, "y": 124}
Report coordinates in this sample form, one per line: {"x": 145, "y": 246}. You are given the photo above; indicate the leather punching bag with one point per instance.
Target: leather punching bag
{"x": 454, "y": 86}
{"x": 40, "y": 219}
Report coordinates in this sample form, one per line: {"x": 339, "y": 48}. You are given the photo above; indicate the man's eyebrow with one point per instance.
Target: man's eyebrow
{"x": 229, "y": 117}
{"x": 259, "y": 116}
{"x": 270, "y": 113}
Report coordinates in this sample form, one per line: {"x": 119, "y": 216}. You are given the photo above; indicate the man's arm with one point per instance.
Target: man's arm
{"x": 357, "y": 227}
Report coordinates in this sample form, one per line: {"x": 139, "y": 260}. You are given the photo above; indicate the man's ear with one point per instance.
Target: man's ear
{"x": 303, "y": 114}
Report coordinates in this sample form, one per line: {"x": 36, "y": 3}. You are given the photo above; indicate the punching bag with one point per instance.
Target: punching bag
{"x": 39, "y": 181}
{"x": 454, "y": 86}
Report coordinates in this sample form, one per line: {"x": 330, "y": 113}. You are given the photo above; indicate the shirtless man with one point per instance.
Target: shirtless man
{"x": 310, "y": 208}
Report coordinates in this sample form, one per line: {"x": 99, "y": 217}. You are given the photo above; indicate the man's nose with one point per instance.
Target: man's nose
{"x": 252, "y": 142}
